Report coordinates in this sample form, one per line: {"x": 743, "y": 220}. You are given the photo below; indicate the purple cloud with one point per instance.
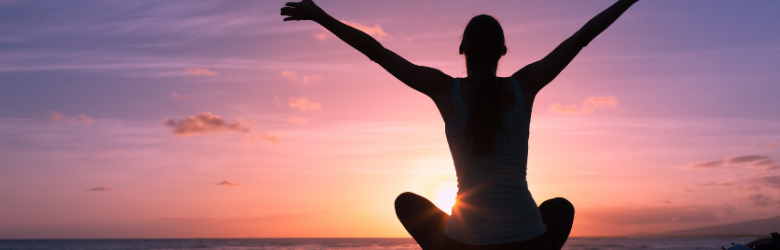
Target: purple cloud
{"x": 707, "y": 164}
{"x": 745, "y": 159}
{"x": 229, "y": 184}
{"x": 100, "y": 189}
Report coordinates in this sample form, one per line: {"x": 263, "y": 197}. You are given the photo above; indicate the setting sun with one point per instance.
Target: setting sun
{"x": 444, "y": 196}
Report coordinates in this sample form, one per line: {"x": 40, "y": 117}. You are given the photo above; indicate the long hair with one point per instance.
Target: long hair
{"x": 483, "y": 44}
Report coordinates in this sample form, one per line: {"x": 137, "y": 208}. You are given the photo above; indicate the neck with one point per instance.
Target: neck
{"x": 471, "y": 70}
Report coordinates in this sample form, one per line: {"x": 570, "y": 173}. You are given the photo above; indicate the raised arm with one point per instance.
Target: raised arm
{"x": 429, "y": 81}
{"x": 542, "y": 72}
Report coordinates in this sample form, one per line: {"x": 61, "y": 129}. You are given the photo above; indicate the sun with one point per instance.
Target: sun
{"x": 444, "y": 196}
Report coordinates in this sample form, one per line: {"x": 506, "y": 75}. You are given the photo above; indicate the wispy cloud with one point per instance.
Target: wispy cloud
{"x": 753, "y": 183}
{"x": 304, "y": 104}
{"x": 178, "y": 96}
{"x": 768, "y": 181}
{"x": 761, "y": 200}
{"x": 707, "y": 164}
{"x": 751, "y": 188}
{"x": 376, "y": 31}
{"x": 207, "y": 123}
{"x": 100, "y": 189}
{"x": 565, "y": 109}
{"x": 200, "y": 71}
{"x": 321, "y": 35}
{"x": 588, "y": 106}
{"x": 765, "y": 162}
{"x": 300, "y": 79}
{"x": 227, "y": 183}
{"x": 601, "y": 101}
{"x": 275, "y": 139}
{"x": 59, "y": 117}
{"x": 717, "y": 184}
{"x": 195, "y": 20}
{"x": 745, "y": 159}
{"x": 772, "y": 144}
{"x": 297, "y": 120}
{"x": 754, "y": 160}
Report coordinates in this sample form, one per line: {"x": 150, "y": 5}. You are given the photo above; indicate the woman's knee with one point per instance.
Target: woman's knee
{"x": 406, "y": 201}
{"x": 558, "y": 204}
{"x": 405, "y": 197}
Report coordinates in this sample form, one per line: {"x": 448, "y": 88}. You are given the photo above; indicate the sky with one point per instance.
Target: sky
{"x": 180, "y": 119}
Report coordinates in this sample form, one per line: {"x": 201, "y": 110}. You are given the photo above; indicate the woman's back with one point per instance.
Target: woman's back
{"x": 494, "y": 205}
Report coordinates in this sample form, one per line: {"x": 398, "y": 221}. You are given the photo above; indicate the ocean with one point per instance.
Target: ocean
{"x": 576, "y": 243}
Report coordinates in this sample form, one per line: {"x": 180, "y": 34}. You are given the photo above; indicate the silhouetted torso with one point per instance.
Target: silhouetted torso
{"x": 494, "y": 205}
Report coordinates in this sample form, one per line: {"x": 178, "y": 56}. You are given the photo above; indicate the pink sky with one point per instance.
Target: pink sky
{"x": 216, "y": 119}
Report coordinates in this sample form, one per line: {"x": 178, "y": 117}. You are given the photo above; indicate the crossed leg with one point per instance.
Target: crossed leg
{"x": 422, "y": 219}
{"x": 425, "y": 222}
{"x": 558, "y": 216}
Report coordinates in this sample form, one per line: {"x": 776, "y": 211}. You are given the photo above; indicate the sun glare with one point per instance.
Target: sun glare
{"x": 444, "y": 196}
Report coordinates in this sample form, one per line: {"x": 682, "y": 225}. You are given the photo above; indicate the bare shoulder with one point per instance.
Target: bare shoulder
{"x": 443, "y": 97}
{"x": 432, "y": 82}
{"x": 528, "y": 89}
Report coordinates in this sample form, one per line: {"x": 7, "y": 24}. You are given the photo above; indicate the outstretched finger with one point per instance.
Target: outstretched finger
{"x": 292, "y": 4}
{"x": 289, "y": 11}
{"x": 293, "y": 19}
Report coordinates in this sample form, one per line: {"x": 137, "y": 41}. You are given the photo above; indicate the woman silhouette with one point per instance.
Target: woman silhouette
{"x": 486, "y": 123}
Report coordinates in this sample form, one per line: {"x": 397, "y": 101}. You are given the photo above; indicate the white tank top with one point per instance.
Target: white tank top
{"x": 494, "y": 205}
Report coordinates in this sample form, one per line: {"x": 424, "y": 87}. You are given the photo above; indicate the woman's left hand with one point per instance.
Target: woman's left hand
{"x": 303, "y": 10}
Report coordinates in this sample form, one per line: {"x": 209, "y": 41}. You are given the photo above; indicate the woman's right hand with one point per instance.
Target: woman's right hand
{"x": 303, "y": 10}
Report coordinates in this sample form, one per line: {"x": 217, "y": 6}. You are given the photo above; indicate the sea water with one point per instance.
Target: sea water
{"x": 575, "y": 243}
